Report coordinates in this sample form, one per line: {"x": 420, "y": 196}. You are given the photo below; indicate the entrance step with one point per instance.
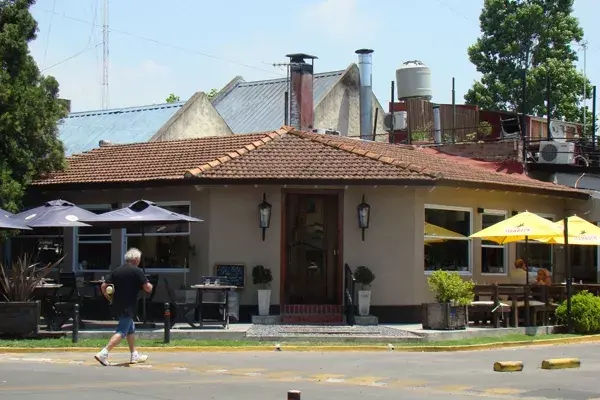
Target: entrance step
{"x": 325, "y": 314}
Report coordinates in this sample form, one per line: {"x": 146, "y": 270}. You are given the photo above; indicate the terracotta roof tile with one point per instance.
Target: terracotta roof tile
{"x": 284, "y": 154}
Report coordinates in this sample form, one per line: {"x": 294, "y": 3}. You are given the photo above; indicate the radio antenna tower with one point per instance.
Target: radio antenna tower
{"x": 105, "y": 31}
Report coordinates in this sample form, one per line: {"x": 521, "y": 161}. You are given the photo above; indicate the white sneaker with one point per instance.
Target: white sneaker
{"x": 138, "y": 358}
{"x": 102, "y": 358}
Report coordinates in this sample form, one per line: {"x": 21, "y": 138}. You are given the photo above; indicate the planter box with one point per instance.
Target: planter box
{"x": 444, "y": 316}
{"x": 20, "y": 318}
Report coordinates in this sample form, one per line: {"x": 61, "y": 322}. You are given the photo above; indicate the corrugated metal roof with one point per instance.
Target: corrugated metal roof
{"x": 82, "y": 131}
{"x": 259, "y": 106}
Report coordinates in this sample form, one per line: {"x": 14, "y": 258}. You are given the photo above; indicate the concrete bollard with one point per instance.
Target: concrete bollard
{"x": 167, "y": 338}
{"x": 75, "y": 328}
{"x": 293, "y": 395}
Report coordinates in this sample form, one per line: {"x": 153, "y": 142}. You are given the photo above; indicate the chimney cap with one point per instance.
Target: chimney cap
{"x": 299, "y": 57}
{"x": 364, "y": 51}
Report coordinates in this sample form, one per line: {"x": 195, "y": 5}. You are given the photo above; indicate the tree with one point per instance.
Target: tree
{"x": 29, "y": 108}
{"x": 172, "y": 98}
{"x": 211, "y": 95}
{"x": 531, "y": 38}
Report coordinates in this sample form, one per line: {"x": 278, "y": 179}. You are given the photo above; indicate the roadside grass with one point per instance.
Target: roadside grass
{"x": 98, "y": 343}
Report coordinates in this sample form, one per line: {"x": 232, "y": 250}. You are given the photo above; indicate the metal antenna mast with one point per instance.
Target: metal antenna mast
{"x": 584, "y": 44}
{"x": 105, "y": 95}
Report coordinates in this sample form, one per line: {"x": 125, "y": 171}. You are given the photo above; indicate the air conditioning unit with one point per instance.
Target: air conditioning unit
{"x": 399, "y": 118}
{"x": 556, "y": 153}
{"x": 326, "y": 131}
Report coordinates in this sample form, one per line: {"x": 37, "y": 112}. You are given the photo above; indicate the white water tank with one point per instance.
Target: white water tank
{"x": 413, "y": 80}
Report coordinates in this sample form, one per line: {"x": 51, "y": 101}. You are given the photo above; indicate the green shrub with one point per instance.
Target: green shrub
{"x": 585, "y": 312}
{"x": 364, "y": 276}
{"x": 262, "y": 276}
{"x": 449, "y": 287}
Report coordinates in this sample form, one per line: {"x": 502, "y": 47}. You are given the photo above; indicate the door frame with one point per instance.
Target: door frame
{"x": 283, "y": 239}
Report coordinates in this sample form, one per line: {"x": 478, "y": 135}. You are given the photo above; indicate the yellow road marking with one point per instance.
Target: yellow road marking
{"x": 454, "y": 388}
{"x": 283, "y": 376}
{"x": 103, "y": 385}
{"x": 245, "y": 371}
{"x": 502, "y": 391}
{"x": 367, "y": 380}
{"x": 324, "y": 377}
{"x": 407, "y": 383}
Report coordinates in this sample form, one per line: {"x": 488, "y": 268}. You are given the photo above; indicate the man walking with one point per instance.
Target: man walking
{"x": 127, "y": 281}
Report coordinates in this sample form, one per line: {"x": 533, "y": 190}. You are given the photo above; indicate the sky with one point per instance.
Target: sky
{"x": 183, "y": 46}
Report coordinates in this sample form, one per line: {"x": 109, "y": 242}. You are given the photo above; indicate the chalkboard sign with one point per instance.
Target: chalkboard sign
{"x": 235, "y": 273}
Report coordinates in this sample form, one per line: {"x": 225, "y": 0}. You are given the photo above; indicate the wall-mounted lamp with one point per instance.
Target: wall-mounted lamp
{"x": 264, "y": 215}
{"x": 364, "y": 214}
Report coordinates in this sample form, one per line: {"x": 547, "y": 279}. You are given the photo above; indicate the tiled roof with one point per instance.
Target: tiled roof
{"x": 82, "y": 131}
{"x": 259, "y": 106}
{"x": 285, "y": 154}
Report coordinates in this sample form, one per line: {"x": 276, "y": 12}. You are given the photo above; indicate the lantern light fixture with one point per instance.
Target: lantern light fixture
{"x": 264, "y": 215}
{"x": 364, "y": 214}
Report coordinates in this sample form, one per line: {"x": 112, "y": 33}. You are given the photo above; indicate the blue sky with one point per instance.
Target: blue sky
{"x": 182, "y": 46}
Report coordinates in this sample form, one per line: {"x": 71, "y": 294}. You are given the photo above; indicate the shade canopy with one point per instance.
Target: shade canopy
{"x": 54, "y": 214}
{"x": 581, "y": 233}
{"x": 139, "y": 213}
{"x": 519, "y": 227}
{"x": 7, "y": 222}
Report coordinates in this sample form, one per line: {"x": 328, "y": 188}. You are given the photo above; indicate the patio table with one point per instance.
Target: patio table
{"x": 219, "y": 290}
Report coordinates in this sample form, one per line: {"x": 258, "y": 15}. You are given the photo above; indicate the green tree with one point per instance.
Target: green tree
{"x": 211, "y": 95}
{"x": 531, "y": 38}
{"x": 29, "y": 107}
{"x": 172, "y": 98}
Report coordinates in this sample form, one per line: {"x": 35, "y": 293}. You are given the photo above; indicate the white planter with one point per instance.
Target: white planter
{"x": 364, "y": 302}
{"x": 264, "y": 301}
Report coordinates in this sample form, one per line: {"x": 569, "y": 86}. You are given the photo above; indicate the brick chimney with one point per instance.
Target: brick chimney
{"x": 301, "y": 91}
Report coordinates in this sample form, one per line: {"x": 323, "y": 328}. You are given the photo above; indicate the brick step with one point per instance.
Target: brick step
{"x": 313, "y": 319}
{"x": 293, "y": 309}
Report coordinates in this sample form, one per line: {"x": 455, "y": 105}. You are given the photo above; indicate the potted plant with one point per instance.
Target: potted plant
{"x": 364, "y": 276}
{"x": 262, "y": 276}
{"x": 19, "y": 312}
{"x": 452, "y": 295}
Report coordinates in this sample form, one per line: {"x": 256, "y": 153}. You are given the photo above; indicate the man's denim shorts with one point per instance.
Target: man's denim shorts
{"x": 126, "y": 326}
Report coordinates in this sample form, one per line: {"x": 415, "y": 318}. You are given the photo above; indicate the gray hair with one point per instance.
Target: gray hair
{"x": 133, "y": 254}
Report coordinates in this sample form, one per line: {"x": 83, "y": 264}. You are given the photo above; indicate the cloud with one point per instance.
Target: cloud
{"x": 341, "y": 20}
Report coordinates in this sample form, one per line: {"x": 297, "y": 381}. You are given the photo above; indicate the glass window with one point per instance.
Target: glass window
{"x": 43, "y": 245}
{"x": 493, "y": 255}
{"x": 94, "y": 243}
{"x": 166, "y": 246}
{"x": 584, "y": 260}
{"x": 447, "y": 244}
{"x": 539, "y": 255}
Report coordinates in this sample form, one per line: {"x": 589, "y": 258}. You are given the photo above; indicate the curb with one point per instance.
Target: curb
{"x": 561, "y": 363}
{"x": 317, "y": 348}
{"x": 508, "y": 366}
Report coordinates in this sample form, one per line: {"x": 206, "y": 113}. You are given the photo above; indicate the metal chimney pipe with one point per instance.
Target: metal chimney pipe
{"x": 437, "y": 124}
{"x": 365, "y": 66}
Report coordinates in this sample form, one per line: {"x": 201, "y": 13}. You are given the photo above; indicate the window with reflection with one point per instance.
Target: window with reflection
{"x": 493, "y": 255}
{"x": 447, "y": 245}
{"x": 94, "y": 243}
{"x": 539, "y": 255}
{"x": 164, "y": 246}
{"x": 584, "y": 262}
{"x": 43, "y": 245}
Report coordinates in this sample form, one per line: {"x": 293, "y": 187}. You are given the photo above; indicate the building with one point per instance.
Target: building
{"x": 330, "y": 101}
{"x": 314, "y": 184}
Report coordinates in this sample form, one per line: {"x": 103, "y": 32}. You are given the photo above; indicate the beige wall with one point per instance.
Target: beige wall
{"x": 197, "y": 118}
{"x": 393, "y": 247}
{"x": 340, "y": 108}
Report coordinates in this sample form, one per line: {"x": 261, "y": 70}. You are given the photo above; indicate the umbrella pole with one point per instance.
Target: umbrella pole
{"x": 568, "y": 275}
{"x": 526, "y": 297}
{"x": 144, "y": 294}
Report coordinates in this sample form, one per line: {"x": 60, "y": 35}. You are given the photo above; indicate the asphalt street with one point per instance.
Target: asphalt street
{"x": 269, "y": 375}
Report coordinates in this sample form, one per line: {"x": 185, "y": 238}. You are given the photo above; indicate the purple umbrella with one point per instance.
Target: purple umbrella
{"x": 142, "y": 214}
{"x": 55, "y": 214}
{"x": 7, "y": 222}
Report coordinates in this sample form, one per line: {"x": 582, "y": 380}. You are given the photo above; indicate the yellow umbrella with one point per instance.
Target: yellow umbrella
{"x": 522, "y": 226}
{"x": 581, "y": 232}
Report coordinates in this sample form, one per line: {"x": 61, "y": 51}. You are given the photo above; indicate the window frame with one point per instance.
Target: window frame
{"x": 467, "y": 239}
{"x": 543, "y": 215}
{"x": 503, "y": 213}
{"x": 179, "y": 270}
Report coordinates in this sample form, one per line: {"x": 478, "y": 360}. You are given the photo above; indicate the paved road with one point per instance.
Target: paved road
{"x": 321, "y": 376}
